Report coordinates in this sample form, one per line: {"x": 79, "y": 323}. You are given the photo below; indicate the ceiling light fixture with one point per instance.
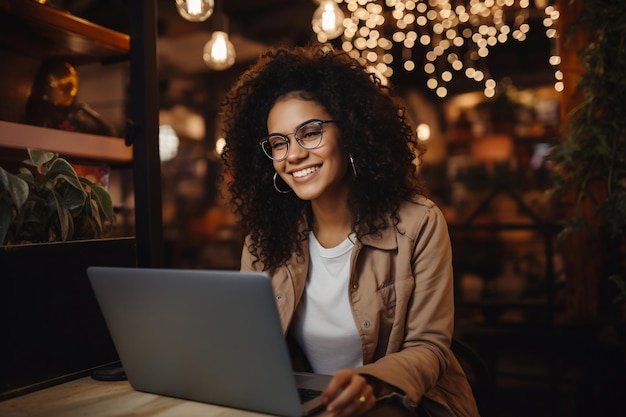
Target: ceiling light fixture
{"x": 195, "y": 10}
{"x": 327, "y": 20}
{"x": 219, "y": 52}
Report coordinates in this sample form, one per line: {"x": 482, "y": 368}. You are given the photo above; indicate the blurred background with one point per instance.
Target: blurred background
{"x": 483, "y": 85}
{"x": 487, "y": 122}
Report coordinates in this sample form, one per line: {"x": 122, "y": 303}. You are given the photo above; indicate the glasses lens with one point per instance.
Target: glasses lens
{"x": 310, "y": 135}
{"x": 275, "y": 147}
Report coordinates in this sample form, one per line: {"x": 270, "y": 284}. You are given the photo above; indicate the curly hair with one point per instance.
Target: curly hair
{"x": 375, "y": 132}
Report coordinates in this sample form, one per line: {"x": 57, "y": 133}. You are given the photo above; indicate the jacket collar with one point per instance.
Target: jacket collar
{"x": 385, "y": 239}
{"x": 298, "y": 266}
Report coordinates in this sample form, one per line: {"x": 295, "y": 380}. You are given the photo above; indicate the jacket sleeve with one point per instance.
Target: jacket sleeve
{"x": 416, "y": 362}
{"x": 247, "y": 260}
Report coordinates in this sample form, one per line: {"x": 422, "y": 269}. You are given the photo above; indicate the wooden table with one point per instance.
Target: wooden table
{"x": 86, "y": 397}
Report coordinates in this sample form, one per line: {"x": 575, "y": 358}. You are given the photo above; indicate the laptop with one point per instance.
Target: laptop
{"x": 203, "y": 335}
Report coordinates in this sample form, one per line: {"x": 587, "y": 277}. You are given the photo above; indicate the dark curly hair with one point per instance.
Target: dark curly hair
{"x": 374, "y": 131}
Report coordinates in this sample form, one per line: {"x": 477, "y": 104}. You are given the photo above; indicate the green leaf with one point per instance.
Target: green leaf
{"x": 16, "y": 187}
{"x": 65, "y": 218}
{"x": 97, "y": 219}
{"x": 64, "y": 177}
{"x": 61, "y": 168}
{"x": 75, "y": 197}
{"x": 26, "y": 175}
{"x": 39, "y": 158}
{"x": 4, "y": 180}
{"x": 103, "y": 199}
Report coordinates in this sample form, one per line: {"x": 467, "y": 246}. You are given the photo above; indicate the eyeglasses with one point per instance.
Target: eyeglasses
{"x": 308, "y": 135}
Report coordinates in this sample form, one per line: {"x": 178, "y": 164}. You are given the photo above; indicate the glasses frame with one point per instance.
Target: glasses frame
{"x": 298, "y": 140}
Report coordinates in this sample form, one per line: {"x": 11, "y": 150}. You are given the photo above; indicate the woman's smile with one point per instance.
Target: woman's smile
{"x": 305, "y": 172}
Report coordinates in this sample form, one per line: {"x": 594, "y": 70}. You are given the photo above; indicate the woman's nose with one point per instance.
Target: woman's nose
{"x": 296, "y": 152}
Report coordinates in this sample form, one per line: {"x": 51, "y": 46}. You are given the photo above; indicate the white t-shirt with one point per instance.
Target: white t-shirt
{"x": 324, "y": 326}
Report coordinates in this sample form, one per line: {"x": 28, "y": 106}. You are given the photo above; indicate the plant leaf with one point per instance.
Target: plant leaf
{"x": 15, "y": 186}
{"x": 97, "y": 218}
{"x": 65, "y": 217}
{"x": 38, "y": 158}
{"x": 26, "y": 175}
{"x": 74, "y": 197}
{"x": 103, "y": 199}
{"x": 61, "y": 168}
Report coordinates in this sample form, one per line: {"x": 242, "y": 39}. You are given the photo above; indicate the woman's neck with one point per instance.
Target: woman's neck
{"x": 332, "y": 222}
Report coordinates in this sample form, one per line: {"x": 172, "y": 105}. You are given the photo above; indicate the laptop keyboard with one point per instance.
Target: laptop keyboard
{"x": 308, "y": 394}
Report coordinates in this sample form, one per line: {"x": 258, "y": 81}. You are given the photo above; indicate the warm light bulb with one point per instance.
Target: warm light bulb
{"x": 328, "y": 19}
{"x": 220, "y": 144}
{"x": 168, "y": 142}
{"x": 219, "y": 52}
{"x": 195, "y": 10}
{"x": 423, "y": 131}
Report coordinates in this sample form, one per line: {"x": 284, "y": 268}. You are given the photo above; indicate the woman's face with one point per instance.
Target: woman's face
{"x": 315, "y": 174}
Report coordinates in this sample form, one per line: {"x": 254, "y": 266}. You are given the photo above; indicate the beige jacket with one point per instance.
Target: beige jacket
{"x": 401, "y": 291}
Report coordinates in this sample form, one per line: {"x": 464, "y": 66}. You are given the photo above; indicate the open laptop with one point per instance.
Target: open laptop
{"x": 203, "y": 335}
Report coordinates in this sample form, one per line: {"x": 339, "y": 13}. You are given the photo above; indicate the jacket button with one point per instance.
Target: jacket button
{"x": 366, "y": 324}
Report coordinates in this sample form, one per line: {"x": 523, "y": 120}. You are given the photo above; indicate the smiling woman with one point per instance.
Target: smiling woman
{"x": 331, "y": 203}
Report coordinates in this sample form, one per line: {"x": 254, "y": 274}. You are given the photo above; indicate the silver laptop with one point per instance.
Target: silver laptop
{"x": 203, "y": 335}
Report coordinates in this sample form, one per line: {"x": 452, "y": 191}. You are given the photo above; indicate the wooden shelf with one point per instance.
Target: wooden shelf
{"x": 42, "y": 31}
{"x": 81, "y": 145}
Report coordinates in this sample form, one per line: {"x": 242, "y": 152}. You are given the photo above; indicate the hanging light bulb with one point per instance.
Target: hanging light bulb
{"x": 195, "y": 10}
{"x": 327, "y": 20}
{"x": 219, "y": 52}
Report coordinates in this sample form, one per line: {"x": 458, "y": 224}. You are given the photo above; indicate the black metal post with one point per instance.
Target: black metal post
{"x": 144, "y": 133}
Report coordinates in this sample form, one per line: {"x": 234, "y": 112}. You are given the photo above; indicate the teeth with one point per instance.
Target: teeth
{"x": 304, "y": 172}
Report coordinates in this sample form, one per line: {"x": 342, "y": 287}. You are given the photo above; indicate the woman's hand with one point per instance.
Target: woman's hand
{"x": 348, "y": 394}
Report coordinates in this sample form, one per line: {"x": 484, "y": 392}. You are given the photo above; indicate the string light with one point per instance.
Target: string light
{"x": 457, "y": 35}
{"x": 551, "y": 17}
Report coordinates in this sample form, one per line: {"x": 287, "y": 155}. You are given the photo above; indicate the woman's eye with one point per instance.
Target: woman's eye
{"x": 278, "y": 145}
{"x": 310, "y": 133}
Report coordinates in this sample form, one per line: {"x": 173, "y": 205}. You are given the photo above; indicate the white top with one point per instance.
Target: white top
{"x": 325, "y": 327}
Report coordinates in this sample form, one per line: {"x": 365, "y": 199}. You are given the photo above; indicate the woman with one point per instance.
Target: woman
{"x": 324, "y": 180}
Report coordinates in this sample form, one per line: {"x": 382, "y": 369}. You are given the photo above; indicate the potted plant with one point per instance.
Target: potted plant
{"x": 589, "y": 172}
{"x": 53, "y": 224}
{"x": 48, "y": 202}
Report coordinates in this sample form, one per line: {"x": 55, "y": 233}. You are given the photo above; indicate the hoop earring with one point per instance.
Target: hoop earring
{"x": 276, "y": 187}
{"x": 354, "y": 172}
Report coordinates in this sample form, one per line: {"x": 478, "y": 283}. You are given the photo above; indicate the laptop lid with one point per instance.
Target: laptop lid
{"x": 203, "y": 335}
